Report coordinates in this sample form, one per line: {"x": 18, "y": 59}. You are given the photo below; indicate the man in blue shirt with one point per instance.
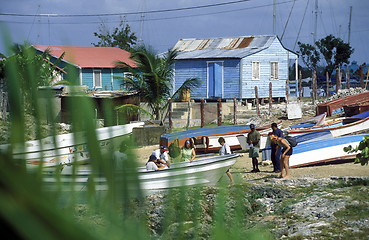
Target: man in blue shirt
{"x": 276, "y": 154}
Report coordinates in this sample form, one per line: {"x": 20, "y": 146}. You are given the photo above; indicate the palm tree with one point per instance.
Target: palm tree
{"x": 152, "y": 79}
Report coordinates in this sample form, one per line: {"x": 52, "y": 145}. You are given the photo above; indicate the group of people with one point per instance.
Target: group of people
{"x": 280, "y": 154}
{"x": 159, "y": 158}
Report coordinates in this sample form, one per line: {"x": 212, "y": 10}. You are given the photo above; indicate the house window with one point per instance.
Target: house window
{"x": 255, "y": 70}
{"x": 97, "y": 79}
{"x": 274, "y": 68}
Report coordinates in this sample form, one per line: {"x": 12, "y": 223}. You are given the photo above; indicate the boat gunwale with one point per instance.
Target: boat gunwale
{"x": 328, "y": 128}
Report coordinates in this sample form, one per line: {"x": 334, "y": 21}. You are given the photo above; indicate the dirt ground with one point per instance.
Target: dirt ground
{"x": 241, "y": 169}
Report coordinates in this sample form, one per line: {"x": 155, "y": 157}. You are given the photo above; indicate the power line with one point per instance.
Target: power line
{"x": 125, "y": 13}
{"x": 162, "y": 18}
{"x": 288, "y": 19}
{"x": 302, "y": 21}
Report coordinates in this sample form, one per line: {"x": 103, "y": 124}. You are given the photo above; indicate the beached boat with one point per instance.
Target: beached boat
{"x": 353, "y": 109}
{"x": 336, "y": 106}
{"x": 206, "y": 139}
{"x": 199, "y": 135}
{"x": 311, "y": 122}
{"x": 349, "y": 125}
{"x": 203, "y": 171}
{"x": 331, "y": 149}
{"x": 66, "y": 148}
{"x": 266, "y": 151}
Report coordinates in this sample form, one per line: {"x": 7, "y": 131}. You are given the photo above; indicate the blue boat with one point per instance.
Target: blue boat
{"x": 199, "y": 134}
{"x": 324, "y": 150}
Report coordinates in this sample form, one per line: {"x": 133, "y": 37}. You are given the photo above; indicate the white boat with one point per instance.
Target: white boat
{"x": 346, "y": 126}
{"x": 324, "y": 150}
{"x": 203, "y": 171}
{"x": 311, "y": 122}
{"x": 66, "y": 148}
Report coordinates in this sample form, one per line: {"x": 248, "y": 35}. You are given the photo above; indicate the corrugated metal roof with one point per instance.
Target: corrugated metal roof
{"x": 91, "y": 57}
{"x": 239, "y": 47}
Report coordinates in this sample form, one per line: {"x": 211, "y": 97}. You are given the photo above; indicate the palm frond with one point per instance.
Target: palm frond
{"x": 188, "y": 84}
{"x": 131, "y": 109}
{"x": 63, "y": 82}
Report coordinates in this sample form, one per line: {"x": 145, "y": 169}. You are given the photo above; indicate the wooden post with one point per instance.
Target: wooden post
{"x": 361, "y": 76}
{"x": 287, "y": 91}
{"x": 219, "y": 112}
{"x": 338, "y": 79}
{"x": 188, "y": 115}
{"x": 327, "y": 82}
{"x": 348, "y": 79}
{"x": 170, "y": 113}
{"x": 314, "y": 96}
{"x": 300, "y": 85}
{"x": 2, "y": 105}
{"x": 235, "y": 111}
{"x": 257, "y": 101}
{"x": 270, "y": 97}
{"x": 5, "y": 104}
{"x": 202, "y": 112}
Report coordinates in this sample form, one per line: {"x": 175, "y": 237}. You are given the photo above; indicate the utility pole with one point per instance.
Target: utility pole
{"x": 274, "y": 17}
{"x": 316, "y": 20}
{"x": 349, "y": 26}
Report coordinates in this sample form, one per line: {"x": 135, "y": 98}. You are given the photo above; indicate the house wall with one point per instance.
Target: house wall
{"x": 197, "y": 68}
{"x": 237, "y": 74}
{"x": 85, "y": 75}
{"x": 109, "y": 82}
{"x": 276, "y": 53}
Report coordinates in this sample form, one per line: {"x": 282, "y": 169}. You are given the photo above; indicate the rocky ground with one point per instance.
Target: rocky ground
{"x": 327, "y": 201}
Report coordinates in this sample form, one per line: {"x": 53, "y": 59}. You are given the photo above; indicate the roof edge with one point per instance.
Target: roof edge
{"x": 58, "y": 57}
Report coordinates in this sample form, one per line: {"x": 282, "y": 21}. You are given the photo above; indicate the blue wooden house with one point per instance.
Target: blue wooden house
{"x": 232, "y": 67}
{"x": 94, "y": 67}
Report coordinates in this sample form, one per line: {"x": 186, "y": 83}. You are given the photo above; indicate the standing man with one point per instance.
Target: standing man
{"x": 276, "y": 152}
{"x": 253, "y": 139}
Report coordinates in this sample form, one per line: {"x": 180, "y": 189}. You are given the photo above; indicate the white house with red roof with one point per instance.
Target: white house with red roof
{"x": 94, "y": 67}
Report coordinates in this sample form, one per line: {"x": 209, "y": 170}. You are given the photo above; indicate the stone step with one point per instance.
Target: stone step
{"x": 179, "y": 115}
{"x": 180, "y": 123}
{"x": 180, "y": 109}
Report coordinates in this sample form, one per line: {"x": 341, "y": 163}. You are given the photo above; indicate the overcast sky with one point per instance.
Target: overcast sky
{"x": 160, "y": 23}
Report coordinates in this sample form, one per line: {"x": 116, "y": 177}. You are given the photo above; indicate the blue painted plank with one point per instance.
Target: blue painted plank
{"x": 198, "y": 132}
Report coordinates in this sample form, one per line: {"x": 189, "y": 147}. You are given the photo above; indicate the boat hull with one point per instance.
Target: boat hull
{"x": 206, "y": 139}
{"x": 205, "y": 171}
{"x": 66, "y": 148}
{"x": 336, "y": 130}
{"x": 326, "y": 150}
